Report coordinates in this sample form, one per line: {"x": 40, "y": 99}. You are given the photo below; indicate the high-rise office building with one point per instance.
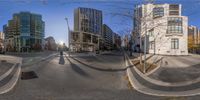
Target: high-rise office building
{"x": 1, "y": 41}
{"x": 88, "y": 20}
{"x": 87, "y": 30}
{"x": 24, "y": 32}
{"x": 116, "y": 41}
{"x": 108, "y": 37}
{"x": 163, "y": 26}
{"x": 193, "y": 39}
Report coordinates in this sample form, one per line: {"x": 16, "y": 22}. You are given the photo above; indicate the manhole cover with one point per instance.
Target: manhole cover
{"x": 28, "y": 75}
{"x": 3, "y": 61}
{"x": 89, "y": 60}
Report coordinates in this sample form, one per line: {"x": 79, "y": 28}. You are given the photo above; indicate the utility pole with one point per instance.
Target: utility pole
{"x": 69, "y": 35}
{"x": 131, "y": 43}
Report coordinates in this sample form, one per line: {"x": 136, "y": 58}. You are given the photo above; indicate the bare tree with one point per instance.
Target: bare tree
{"x": 148, "y": 23}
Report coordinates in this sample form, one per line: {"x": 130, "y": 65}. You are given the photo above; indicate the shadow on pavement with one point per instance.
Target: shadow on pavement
{"x": 99, "y": 69}
{"x": 77, "y": 68}
{"x": 62, "y": 60}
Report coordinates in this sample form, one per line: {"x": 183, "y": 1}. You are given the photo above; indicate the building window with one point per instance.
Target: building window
{"x": 152, "y": 44}
{"x": 173, "y": 12}
{"x": 86, "y": 38}
{"x": 174, "y": 43}
{"x": 75, "y": 36}
{"x": 158, "y": 12}
{"x": 151, "y": 33}
{"x": 174, "y": 25}
{"x": 174, "y": 7}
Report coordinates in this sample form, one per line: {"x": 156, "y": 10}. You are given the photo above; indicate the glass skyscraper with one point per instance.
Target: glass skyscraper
{"x": 25, "y": 32}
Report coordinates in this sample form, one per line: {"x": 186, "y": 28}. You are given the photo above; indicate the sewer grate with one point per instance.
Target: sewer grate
{"x": 3, "y": 61}
{"x": 28, "y": 75}
{"x": 89, "y": 60}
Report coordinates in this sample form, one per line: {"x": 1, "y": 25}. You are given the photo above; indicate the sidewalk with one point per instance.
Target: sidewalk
{"x": 144, "y": 85}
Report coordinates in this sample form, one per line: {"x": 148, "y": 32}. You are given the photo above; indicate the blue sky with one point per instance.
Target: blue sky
{"x": 55, "y": 11}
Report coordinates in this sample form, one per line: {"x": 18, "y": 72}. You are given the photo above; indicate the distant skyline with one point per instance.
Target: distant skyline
{"x": 54, "y": 12}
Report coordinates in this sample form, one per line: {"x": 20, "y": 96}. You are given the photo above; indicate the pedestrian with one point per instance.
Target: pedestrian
{"x": 61, "y": 53}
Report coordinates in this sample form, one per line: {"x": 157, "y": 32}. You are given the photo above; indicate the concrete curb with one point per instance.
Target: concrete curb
{"x": 10, "y": 85}
{"x": 49, "y": 56}
{"x": 190, "y": 54}
{"x": 152, "y": 71}
{"x": 95, "y": 68}
{"x": 13, "y": 81}
{"x": 145, "y": 90}
{"x": 82, "y": 54}
{"x": 40, "y": 59}
{"x": 7, "y": 73}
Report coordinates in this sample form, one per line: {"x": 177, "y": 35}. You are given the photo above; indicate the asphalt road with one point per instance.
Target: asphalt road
{"x": 64, "y": 78}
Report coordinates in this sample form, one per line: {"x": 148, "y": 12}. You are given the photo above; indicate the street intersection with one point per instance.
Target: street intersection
{"x": 79, "y": 77}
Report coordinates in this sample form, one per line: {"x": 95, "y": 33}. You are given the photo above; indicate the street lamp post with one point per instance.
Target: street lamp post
{"x": 69, "y": 35}
{"x": 130, "y": 45}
